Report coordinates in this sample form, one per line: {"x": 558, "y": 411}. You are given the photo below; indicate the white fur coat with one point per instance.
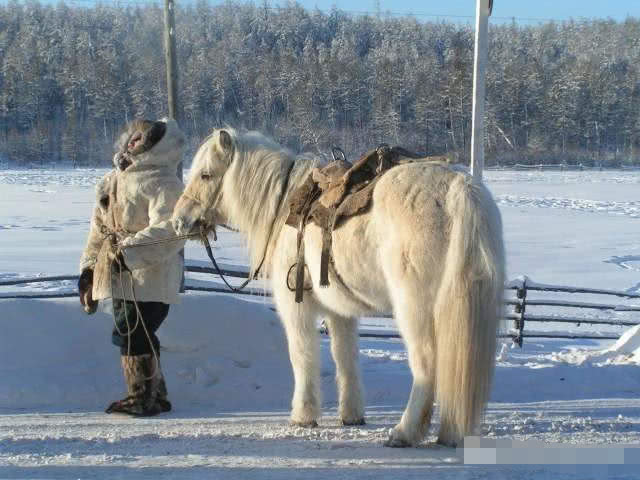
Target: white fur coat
{"x": 145, "y": 194}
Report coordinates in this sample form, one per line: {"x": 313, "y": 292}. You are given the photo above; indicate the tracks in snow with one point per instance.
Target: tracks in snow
{"x": 231, "y": 445}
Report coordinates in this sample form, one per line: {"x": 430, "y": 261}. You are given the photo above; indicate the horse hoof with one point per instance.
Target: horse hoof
{"x": 395, "y": 442}
{"x": 353, "y": 423}
{"x": 445, "y": 443}
{"x": 311, "y": 424}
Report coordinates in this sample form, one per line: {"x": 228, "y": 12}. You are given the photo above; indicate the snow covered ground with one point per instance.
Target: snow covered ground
{"x": 229, "y": 376}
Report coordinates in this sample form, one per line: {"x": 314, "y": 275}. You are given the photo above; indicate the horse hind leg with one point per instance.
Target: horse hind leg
{"x": 416, "y": 327}
{"x": 344, "y": 349}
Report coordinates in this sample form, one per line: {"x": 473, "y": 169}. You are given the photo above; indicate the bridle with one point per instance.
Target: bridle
{"x": 205, "y": 229}
{"x": 207, "y": 207}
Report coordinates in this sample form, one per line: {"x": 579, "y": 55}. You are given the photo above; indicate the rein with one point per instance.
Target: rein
{"x": 205, "y": 240}
{"x": 189, "y": 236}
{"x": 207, "y": 245}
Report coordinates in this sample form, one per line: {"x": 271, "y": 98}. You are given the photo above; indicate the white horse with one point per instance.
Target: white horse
{"x": 429, "y": 250}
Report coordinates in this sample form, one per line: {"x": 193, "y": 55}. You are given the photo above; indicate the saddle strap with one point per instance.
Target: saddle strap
{"x": 327, "y": 240}
{"x": 300, "y": 263}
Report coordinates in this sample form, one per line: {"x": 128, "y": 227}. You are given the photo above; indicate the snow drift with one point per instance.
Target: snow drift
{"x": 218, "y": 353}
{"x": 628, "y": 344}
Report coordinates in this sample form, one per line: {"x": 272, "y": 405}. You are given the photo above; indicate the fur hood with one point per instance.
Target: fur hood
{"x": 103, "y": 187}
{"x": 167, "y": 153}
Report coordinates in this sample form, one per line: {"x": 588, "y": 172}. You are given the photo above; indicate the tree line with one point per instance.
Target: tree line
{"x": 71, "y": 76}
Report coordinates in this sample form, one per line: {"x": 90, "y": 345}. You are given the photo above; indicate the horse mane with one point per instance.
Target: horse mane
{"x": 253, "y": 185}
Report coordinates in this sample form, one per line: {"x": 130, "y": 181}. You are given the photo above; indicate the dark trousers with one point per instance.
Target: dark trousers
{"x": 129, "y": 332}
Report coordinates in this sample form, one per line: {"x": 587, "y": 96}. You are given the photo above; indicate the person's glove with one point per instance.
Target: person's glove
{"x": 85, "y": 288}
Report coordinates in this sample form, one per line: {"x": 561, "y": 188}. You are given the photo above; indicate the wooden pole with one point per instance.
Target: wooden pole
{"x": 172, "y": 80}
{"x": 171, "y": 63}
{"x": 483, "y": 10}
{"x": 170, "y": 57}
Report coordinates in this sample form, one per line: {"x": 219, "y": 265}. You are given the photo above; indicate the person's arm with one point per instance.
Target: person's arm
{"x": 88, "y": 261}
{"x": 160, "y": 210}
{"x": 94, "y": 241}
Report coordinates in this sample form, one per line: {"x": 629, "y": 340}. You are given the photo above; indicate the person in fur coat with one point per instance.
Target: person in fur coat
{"x": 134, "y": 203}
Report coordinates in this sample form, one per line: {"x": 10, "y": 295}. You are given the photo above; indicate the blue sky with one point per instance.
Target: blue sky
{"x": 523, "y": 9}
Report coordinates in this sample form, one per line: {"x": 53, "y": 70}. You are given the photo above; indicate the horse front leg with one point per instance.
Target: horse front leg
{"x": 304, "y": 352}
{"x": 344, "y": 348}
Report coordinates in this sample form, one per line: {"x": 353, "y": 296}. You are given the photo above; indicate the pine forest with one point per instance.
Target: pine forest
{"x": 71, "y": 75}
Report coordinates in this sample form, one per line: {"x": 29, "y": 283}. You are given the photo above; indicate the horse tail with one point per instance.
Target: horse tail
{"x": 467, "y": 308}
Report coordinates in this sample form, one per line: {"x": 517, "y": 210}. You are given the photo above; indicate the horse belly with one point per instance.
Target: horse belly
{"x": 356, "y": 281}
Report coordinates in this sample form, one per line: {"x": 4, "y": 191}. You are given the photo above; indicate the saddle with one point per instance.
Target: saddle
{"x": 332, "y": 194}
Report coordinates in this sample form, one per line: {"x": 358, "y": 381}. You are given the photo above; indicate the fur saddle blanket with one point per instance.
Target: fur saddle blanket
{"x": 332, "y": 194}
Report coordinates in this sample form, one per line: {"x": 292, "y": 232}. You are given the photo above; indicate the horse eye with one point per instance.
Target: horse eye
{"x": 205, "y": 176}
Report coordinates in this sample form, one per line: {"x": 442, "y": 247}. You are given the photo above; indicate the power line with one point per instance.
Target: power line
{"x": 110, "y": 3}
{"x": 406, "y": 14}
{"x": 156, "y": 3}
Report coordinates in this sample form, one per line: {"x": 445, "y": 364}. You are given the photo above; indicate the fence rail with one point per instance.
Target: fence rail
{"x": 189, "y": 268}
{"x": 520, "y": 304}
{"x": 561, "y": 167}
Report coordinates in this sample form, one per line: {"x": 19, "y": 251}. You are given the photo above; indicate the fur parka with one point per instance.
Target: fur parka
{"x": 138, "y": 202}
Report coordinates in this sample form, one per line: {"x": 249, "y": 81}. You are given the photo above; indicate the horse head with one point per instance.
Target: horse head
{"x": 200, "y": 206}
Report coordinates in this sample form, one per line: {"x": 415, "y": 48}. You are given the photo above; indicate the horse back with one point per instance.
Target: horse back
{"x": 410, "y": 200}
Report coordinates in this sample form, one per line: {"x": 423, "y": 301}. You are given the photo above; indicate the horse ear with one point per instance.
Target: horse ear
{"x": 225, "y": 141}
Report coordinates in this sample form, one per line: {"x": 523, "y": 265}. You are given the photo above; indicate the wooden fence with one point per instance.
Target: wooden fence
{"x": 560, "y": 167}
{"x": 522, "y": 304}
{"x": 518, "y": 301}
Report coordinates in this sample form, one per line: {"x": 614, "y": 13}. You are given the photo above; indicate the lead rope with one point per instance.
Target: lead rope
{"x": 156, "y": 360}
{"x": 139, "y": 318}
{"x": 205, "y": 240}
{"x": 123, "y": 296}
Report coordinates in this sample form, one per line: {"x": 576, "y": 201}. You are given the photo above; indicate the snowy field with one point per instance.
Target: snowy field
{"x": 228, "y": 371}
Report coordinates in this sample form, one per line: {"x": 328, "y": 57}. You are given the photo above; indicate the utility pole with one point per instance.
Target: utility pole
{"x": 171, "y": 63}
{"x": 170, "y": 57}
{"x": 483, "y": 11}
{"x": 172, "y": 80}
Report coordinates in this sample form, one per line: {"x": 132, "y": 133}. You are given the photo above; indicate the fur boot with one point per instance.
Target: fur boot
{"x": 161, "y": 391}
{"x": 146, "y": 388}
